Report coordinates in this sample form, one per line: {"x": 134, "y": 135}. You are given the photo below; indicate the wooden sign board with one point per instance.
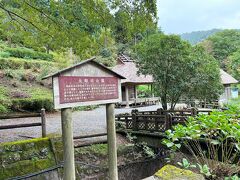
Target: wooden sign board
{"x": 87, "y": 83}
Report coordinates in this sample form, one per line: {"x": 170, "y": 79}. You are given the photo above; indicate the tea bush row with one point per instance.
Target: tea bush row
{"x": 28, "y": 54}
{"x": 15, "y": 63}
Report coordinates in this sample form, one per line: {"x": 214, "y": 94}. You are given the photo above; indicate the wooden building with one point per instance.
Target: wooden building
{"x": 227, "y": 80}
{"x": 127, "y": 68}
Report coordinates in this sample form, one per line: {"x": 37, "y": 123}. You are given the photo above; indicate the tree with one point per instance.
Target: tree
{"x": 134, "y": 19}
{"x": 177, "y": 68}
{"x": 205, "y": 80}
{"x": 233, "y": 64}
{"x": 58, "y": 25}
{"x": 223, "y": 44}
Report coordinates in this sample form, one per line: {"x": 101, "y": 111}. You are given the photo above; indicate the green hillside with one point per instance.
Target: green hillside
{"x": 21, "y": 71}
{"x": 198, "y": 36}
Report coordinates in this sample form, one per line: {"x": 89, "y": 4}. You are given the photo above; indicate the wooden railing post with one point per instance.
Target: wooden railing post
{"x": 160, "y": 111}
{"x": 134, "y": 122}
{"x": 194, "y": 111}
{"x": 168, "y": 121}
{"x": 126, "y": 121}
{"x": 156, "y": 122}
{"x": 43, "y": 120}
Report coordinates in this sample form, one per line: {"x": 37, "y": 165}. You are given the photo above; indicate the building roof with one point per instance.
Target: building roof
{"x": 127, "y": 68}
{"x": 227, "y": 78}
{"x": 92, "y": 60}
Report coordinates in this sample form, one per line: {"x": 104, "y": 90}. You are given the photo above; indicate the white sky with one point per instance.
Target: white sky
{"x": 179, "y": 16}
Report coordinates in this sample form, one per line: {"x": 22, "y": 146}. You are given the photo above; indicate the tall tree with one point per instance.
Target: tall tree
{"x": 177, "y": 68}
{"x": 57, "y": 24}
{"x": 134, "y": 19}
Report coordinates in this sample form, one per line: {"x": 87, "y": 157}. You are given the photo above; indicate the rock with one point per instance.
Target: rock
{"x": 169, "y": 172}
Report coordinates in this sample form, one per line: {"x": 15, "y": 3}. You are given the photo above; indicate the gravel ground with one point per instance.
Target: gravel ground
{"x": 84, "y": 122}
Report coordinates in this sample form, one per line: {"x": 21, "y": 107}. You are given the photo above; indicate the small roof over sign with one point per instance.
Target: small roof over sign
{"x": 92, "y": 60}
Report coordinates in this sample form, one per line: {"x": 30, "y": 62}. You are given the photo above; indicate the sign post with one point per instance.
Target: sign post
{"x": 68, "y": 147}
{"x": 86, "y": 83}
{"x": 111, "y": 137}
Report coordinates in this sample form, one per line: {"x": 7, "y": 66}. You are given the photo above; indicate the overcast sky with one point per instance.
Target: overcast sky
{"x": 179, "y": 16}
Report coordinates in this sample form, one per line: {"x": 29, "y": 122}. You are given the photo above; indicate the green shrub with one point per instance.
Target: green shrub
{"x": 32, "y": 104}
{"x": 3, "y": 109}
{"x": 39, "y": 98}
{"x": 16, "y": 74}
{"x": 4, "y": 54}
{"x": 15, "y": 63}
{"x": 3, "y": 45}
{"x": 5, "y": 102}
{"x": 211, "y": 139}
{"x": 28, "y": 54}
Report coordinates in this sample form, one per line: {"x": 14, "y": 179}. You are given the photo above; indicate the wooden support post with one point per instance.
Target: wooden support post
{"x": 127, "y": 96}
{"x": 111, "y": 138}
{"x": 43, "y": 120}
{"x": 68, "y": 147}
{"x": 136, "y": 92}
{"x": 152, "y": 94}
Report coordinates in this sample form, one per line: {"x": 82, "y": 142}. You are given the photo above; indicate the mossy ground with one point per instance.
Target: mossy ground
{"x": 169, "y": 172}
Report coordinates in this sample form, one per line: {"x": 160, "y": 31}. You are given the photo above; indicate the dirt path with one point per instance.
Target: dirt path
{"x": 84, "y": 122}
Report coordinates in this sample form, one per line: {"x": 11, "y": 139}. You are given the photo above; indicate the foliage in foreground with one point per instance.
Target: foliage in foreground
{"x": 213, "y": 140}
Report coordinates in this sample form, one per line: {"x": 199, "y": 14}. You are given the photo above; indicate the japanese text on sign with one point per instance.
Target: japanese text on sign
{"x": 81, "y": 89}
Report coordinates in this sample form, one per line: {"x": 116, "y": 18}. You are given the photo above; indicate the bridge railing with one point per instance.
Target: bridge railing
{"x": 157, "y": 121}
{"x": 151, "y": 123}
{"x": 184, "y": 112}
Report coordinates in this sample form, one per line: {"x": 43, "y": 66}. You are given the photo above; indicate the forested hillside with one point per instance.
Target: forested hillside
{"x": 40, "y": 37}
{"x": 198, "y": 36}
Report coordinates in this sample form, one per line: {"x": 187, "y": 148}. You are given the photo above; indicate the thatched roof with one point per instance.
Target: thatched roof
{"x": 226, "y": 78}
{"x": 127, "y": 68}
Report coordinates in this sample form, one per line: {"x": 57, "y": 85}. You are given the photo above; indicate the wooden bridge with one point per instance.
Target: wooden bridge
{"x": 149, "y": 126}
{"x": 156, "y": 121}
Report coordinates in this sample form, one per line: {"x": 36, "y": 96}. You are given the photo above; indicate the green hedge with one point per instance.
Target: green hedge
{"x": 28, "y": 54}
{"x": 5, "y": 102}
{"x": 32, "y": 104}
{"x": 15, "y": 63}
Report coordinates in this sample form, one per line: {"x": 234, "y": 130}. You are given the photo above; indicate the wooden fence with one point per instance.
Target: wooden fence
{"x": 157, "y": 121}
{"x": 42, "y": 116}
